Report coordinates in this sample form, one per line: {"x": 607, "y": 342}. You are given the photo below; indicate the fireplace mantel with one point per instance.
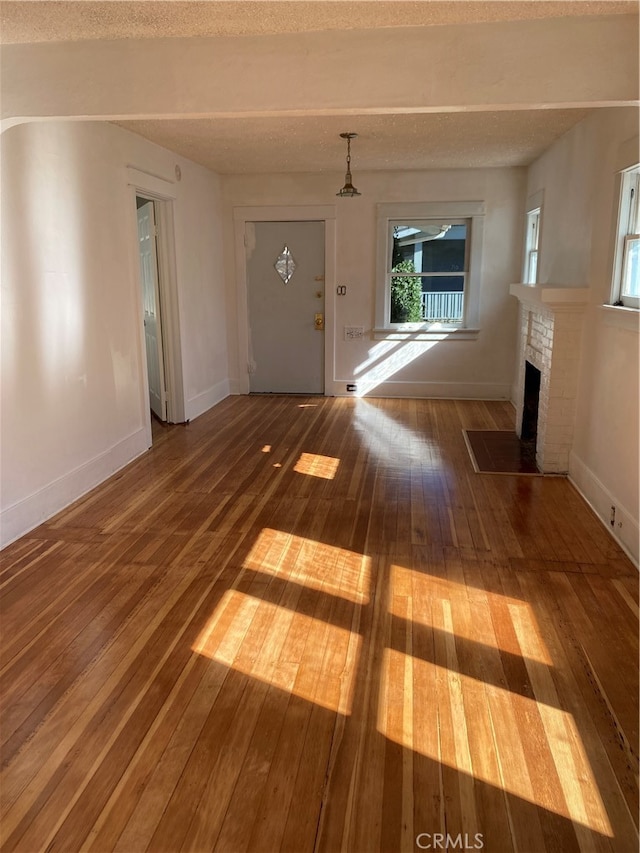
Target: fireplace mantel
{"x": 554, "y": 298}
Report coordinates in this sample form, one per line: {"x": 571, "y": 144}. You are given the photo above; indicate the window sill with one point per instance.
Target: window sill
{"x": 621, "y": 316}
{"x": 432, "y": 333}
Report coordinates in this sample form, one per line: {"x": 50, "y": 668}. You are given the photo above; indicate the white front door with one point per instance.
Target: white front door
{"x": 151, "y": 300}
{"x": 285, "y": 291}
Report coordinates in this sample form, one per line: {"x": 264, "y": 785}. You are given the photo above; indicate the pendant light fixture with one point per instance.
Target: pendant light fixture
{"x": 348, "y": 190}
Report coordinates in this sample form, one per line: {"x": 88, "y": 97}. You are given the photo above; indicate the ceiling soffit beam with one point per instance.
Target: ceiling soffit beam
{"x": 557, "y": 63}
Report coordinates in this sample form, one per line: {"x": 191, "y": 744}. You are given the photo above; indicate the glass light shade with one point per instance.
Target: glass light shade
{"x": 348, "y": 190}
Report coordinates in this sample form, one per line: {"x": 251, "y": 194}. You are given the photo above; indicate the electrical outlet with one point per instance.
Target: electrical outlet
{"x": 353, "y": 333}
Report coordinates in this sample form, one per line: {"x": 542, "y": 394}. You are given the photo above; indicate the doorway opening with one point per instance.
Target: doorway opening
{"x": 152, "y": 306}
{"x": 159, "y": 303}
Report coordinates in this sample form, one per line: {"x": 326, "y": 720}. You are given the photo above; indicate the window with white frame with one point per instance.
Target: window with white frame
{"x": 429, "y": 258}
{"x": 626, "y": 267}
{"x": 531, "y": 247}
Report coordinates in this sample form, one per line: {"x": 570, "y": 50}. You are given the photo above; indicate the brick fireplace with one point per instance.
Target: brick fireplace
{"x": 550, "y": 340}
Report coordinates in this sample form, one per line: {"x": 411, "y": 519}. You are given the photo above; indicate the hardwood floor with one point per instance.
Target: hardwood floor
{"x": 306, "y": 624}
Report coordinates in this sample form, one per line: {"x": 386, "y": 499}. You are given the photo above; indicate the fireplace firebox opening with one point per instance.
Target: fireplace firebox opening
{"x": 532, "y": 377}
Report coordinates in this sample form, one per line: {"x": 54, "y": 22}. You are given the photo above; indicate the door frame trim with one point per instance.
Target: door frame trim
{"x": 163, "y": 194}
{"x": 299, "y": 213}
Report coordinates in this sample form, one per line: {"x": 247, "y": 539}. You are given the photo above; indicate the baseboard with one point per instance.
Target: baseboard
{"x": 21, "y": 517}
{"x": 626, "y": 531}
{"x": 427, "y": 390}
{"x": 207, "y": 400}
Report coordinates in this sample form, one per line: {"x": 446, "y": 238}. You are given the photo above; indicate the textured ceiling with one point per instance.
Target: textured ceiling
{"x": 433, "y": 141}
{"x": 36, "y": 21}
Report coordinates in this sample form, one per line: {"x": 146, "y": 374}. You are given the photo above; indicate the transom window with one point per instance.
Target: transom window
{"x": 429, "y": 262}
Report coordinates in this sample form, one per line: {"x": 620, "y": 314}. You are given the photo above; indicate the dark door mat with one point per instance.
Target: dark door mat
{"x": 500, "y": 452}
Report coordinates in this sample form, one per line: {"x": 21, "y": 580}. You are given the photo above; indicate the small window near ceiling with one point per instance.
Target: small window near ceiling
{"x": 531, "y": 247}
{"x": 626, "y": 268}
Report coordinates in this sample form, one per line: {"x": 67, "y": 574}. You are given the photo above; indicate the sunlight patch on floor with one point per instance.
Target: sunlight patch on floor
{"x": 423, "y": 587}
{"x": 325, "y": 568}
{"x": 476, "y": 729}
{"x": 388, "y": 439}
{"x": 293, "y": 652}
{"x": 315, "y": 465}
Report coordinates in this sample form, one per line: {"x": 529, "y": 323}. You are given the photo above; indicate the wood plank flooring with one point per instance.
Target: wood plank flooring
{"x": 305, "y": 624}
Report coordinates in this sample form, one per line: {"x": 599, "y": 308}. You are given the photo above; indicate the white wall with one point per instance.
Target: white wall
{"x": 74, "y": 403}
{"x": 578, "y": 177}
{"x": 482, "y": 368}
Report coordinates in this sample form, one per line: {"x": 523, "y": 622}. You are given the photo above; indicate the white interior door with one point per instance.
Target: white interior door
{"x": 151, "y": 299}
{"x": 285, "y": 292}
